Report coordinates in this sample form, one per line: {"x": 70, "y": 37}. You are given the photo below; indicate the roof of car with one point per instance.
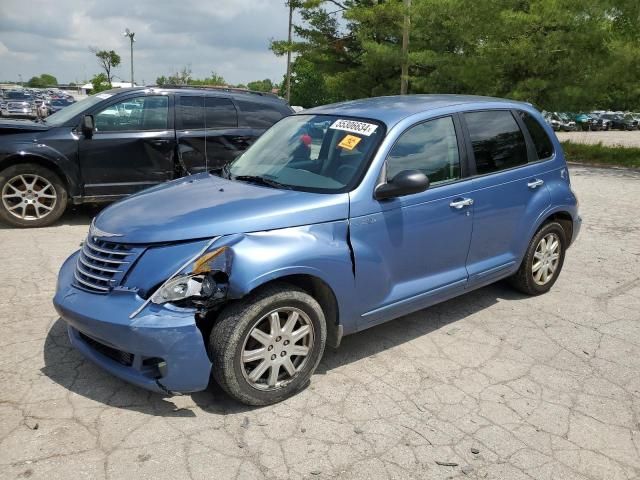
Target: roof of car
{"x": 392, "y": 109}
{"x": 230, "y": 91}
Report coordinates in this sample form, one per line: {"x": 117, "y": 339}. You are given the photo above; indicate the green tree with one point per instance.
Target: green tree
{"x": 100, "y": 83}
{"x": 265, "y": 85}
{"x": 43, "y": 81}
{"x": 557, "y": 54}
{"x": 308, "y": 88}
{"x": 108, "y": 60}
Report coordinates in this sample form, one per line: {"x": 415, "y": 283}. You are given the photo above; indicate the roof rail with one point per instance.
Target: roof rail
{"x": 217, "y": 88}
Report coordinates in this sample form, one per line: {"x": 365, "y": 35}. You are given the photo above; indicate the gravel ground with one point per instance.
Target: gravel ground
{"x": 612, "y": 138}
{"x": 490, "y": 385}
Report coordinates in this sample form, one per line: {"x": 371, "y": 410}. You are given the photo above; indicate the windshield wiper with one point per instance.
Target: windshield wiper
{"x": 261, "y": 181}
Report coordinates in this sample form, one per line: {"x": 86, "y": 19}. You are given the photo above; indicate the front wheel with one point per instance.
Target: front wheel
{"x": 543, "y": 261}
{"x": 31, "y": 196}
{"x": 265, "y": 347}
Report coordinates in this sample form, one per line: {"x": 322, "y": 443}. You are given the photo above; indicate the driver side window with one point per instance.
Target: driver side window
{"x": 430, "y": 147}
{"x": 139, "y": 114}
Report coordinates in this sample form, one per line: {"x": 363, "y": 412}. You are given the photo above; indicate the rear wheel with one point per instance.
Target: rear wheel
{"x": 543, "y": 261}
{"x": 31, "y": 196}
{"x": 265, "y": 347}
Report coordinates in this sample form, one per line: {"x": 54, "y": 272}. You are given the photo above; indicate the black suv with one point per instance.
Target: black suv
{"x": 121, "y": 141}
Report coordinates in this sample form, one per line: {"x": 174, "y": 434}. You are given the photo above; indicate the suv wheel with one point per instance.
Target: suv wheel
{"x": 31, "y": 196}
{"x": 265, "y": 347}
{"x": 543, "y": 261}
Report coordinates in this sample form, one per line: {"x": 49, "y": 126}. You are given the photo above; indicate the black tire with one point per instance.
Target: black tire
{"x": 48, "y": 211}
{"x": 524, "y": 280}
{"x": 233, "y": 328}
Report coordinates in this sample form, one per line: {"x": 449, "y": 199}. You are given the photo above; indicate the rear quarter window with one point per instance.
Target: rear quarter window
{"x": 541, "y": 141}
{"x": 498, "y": 143}
{"x": 262, "y": 115}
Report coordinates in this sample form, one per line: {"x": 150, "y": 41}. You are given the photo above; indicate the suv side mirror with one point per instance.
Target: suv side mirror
{"x": 87, "y": 126}
{"x": 405, "y": 182}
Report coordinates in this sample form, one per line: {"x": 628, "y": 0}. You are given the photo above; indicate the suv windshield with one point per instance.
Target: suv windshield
{"x": 314, "y": 153}
{"x": 63, "y": 116}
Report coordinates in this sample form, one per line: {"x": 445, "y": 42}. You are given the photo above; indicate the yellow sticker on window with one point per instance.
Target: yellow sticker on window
{"x": 349, "y": 142}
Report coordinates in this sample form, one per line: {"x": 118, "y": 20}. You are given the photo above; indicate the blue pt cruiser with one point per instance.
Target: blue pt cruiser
{"x": 337, "y": 219}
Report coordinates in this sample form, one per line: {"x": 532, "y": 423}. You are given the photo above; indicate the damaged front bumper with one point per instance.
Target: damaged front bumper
{"x": 161, "y": 349}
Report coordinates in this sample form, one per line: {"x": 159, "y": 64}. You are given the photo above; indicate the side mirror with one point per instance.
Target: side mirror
{"x": 405, "y": 182}
{"x": 87, "y": 126}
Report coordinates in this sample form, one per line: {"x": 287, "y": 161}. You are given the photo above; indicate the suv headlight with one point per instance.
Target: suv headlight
{"x": 196, "y": 280}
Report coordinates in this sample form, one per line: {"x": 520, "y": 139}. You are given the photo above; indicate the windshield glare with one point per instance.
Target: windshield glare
{"x": 315, "y": 153}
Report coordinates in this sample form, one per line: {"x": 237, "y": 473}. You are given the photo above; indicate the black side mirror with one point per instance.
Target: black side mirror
{"x": 87, "y": 126}
{"x": 405, "y": 182}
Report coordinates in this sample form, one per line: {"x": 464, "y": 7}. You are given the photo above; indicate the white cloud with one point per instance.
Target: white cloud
{"x": 230, "y": 37}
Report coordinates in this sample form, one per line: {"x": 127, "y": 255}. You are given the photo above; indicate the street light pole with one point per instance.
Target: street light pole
{"x": 289, "y": 51}
{"x": 130, "y": 34}
{"x": 404, "y": 76}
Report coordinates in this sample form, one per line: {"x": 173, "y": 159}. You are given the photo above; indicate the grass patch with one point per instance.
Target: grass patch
{"x": 601, "y": 155}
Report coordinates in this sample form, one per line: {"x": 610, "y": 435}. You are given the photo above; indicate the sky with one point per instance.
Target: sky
{"x": 230, "y": 37}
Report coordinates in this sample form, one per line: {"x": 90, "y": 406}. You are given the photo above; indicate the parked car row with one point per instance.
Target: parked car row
{"x": 33, "y": 102}
{"x": 593, "y": 121}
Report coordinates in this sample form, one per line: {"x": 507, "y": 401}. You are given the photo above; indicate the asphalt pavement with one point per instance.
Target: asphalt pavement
{"x": 491, "y": 385}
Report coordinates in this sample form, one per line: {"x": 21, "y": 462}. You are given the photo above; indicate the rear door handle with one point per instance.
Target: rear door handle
{"x": 533, "y": 184}
{"x": 464, "y": 202}
{"x": 159, "y": 141}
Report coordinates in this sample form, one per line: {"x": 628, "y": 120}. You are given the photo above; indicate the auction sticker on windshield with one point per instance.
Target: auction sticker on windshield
{"x": 353, "y": 126}
{"x": 349, "y": 142}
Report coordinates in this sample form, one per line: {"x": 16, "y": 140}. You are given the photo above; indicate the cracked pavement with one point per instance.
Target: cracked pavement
{"x": 489, "y": 385}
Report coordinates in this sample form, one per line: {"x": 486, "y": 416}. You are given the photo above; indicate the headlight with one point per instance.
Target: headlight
{"x": 196, "y": 281}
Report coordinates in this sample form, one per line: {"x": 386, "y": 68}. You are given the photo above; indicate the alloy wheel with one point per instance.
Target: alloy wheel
{"x": 29, "y": 197}
{"x": 546, "y": 258}
{"x": 277, "y": 348}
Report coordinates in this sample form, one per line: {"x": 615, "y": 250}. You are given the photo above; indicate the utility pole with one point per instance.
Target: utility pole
{"x": 404, "y": 75}
{"x": 291, "y": 7}
{"x": 130, "y": 34}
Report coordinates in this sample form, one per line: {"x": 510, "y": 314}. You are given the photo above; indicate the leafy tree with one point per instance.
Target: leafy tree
{"x": 43, "y": 81}
{"x": 308, "y": 88}
{"x": 265, "y": 85}
{"x": 557, "y": 54}
{"x": 100, "y": 83}
{"x": 108, "y": 60}
{"x": 183, "y": 77}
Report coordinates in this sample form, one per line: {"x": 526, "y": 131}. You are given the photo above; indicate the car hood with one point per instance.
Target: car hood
{"x": 17, "y": 126}
{"x": 204, "y": 205}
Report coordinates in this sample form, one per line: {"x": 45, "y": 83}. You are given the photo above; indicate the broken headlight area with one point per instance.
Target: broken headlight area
{"x": 203, "y": 283}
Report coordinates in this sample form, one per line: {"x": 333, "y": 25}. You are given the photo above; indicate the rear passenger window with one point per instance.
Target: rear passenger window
{"x": 220, "y": 113}
{"x": 259, "y": 115}
{"x": 541, "y": 141}
{"x": 192, "y": 112}
{"x": 498, "y": 142}
{"x": 430, "y": 147}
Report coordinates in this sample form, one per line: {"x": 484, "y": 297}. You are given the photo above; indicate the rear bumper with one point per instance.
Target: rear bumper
{"x": 161, "y": 349}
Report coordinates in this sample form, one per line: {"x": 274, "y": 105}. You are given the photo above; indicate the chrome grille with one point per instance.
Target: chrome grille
{"x": 102, "y": 265}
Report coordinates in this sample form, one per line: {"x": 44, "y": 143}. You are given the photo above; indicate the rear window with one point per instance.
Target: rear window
{"x": 541, "y": 141}
{"x": 220, "y": 113}
{"x": 498, "y": 142}
{"x": 261, "y": 115}
{"x": 192, "y": 112}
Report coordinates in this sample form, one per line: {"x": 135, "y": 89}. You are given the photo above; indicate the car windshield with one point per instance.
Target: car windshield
{"x": 63, "y": 116}
{"x": 314, "y": 153}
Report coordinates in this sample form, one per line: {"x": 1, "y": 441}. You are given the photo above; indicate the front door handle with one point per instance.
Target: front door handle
{"x": 464, "y": 202}
{"x": 533, "y": 184}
